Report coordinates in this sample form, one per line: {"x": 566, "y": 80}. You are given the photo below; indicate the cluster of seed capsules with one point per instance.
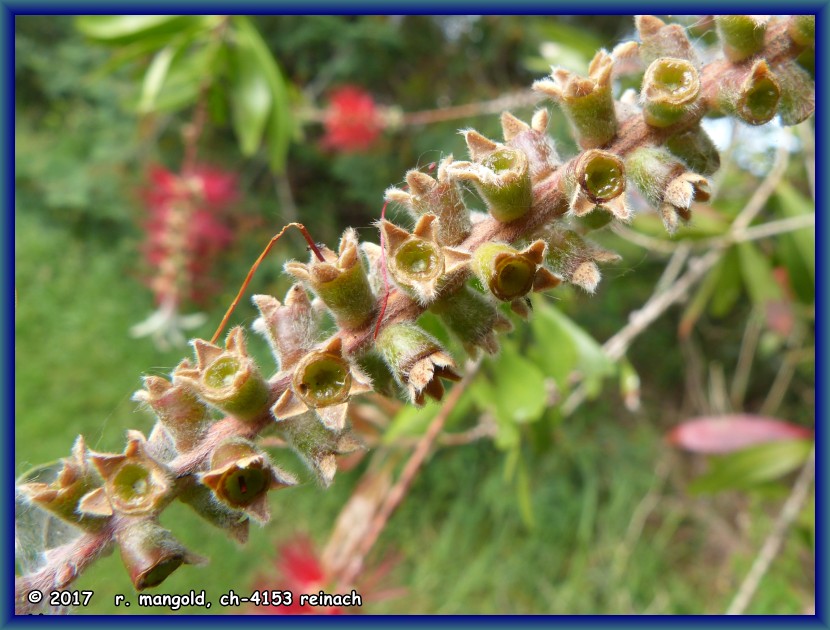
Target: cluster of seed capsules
{"x": 457, "y": 263}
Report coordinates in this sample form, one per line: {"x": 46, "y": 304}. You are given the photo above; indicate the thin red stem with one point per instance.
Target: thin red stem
{"x": 312, "y": 246}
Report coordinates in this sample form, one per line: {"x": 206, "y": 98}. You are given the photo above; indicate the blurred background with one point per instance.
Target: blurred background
{"x": 589, "y": 501}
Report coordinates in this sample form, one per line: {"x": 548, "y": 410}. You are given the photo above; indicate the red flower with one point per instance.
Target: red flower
{"x": 301, "y": 572}
{"x": 187, "y": 228}
{"x": 353, "y": 121}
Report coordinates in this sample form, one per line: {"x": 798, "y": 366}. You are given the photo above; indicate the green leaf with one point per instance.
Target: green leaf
{"x": 554, "y": 349}
{"x": 564, "y": 347}
{"x": 753, "y": 466}
{"x": 155, "y": 77}
{"x": 758, "y": 278}
{"x": 410, "y": 421}
{"x": 279, "y": 124}
{"x": 524, "y": 495}
{"x": 793, "y": 204}
{"x": 507, "y": 434}
{"x": 186, "y": 76}
{"x": 728, "y": 289}
{"x": 520, "y": 386}
{"x": 697, "y": 305}
{"x": 251, "y": 94}
{"x": 122, "y": 29}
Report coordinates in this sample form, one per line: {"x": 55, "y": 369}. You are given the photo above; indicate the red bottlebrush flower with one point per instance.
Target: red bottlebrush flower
{"x": 301, "y": 572}
{"x": 187, "y": 227}
{"x": 353, "y": 120}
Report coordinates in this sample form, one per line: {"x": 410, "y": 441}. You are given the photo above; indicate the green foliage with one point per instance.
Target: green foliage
{"x": 752, "y": 466}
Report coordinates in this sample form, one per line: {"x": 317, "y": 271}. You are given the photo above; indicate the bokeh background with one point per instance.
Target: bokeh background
{"x": 590, "y": 511}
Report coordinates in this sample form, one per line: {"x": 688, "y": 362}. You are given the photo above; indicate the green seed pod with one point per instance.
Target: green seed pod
{"x": 63, "y": 496}
{"x": 150, "y": 553}
{"x": 670, "y": 92}
{"x": 500, "y": 174}
{"x": 417, "y": 361}
{"x": 755, "y": 100}
{"x": 417, "y": 261}
{"x": 203, "y": 501}
{"x": 533, "y": 141}
{"x": 289, "y": 328}
{"x": 340, "y": 282}
{"x": 324, "y": 381}
{"x": 666, "y": 184}
{"x": 696, "y": 149}
{"x": 741, "y": 35}
{"x": 508, "y": 273}
{"x": 441, "y": 198}
{"x": 179, "y": 410}
{"x": 798, "y": 93}
{"x": 596, "y": 179}
{"x": 240, "y": 476}
{"x": 802, "y": 30}
{"x": 227, "y": 379}
{"x": 662, "y": 40}
{"x": 471, "y": 318}
{"x": 587, "y": 102}
{"x": 134, "y": 482}
{"x": 574, "y": 258}
{"x": 317, "y": 445}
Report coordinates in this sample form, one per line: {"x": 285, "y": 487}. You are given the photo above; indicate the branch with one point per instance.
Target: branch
{"x": 397, "y": 492}
{"x": 772, "y": 544}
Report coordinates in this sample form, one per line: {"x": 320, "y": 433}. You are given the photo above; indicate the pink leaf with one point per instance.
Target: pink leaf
{"x": 725, "y": 434}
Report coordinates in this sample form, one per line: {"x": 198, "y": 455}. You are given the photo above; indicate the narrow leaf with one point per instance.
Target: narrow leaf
{"x": 753, "y": 466}
{"x": 520, "y": 386}
{"x": 251, "y": 94}
{"x": 697, "y": 305}
{"x": 124, "y": 29}
{"x": 760, "y": 283}
{"x": 279, "y": 124}
{"x": 155, "y": 77}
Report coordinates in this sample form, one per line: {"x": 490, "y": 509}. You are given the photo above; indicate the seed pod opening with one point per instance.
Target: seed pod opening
{"x": 670, "y": 91}
{"x": 322, "y": 379}
{"x": 507, "y": 272}
{"x": 150, "y": 553}
{"x": 587, "y": 102}
{"x": 418, "y": 259}
{"x": 241, "y": 475}
{"x": 755, "y": 100}
{"x": 500, "y": 174}
{"x": 417, "y": 262}
{"x": 227, "y": 379}
{"x": 134, "y": 482}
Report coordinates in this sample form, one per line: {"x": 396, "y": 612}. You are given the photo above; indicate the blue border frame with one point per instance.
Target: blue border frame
{"x": 8, "y": 11}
